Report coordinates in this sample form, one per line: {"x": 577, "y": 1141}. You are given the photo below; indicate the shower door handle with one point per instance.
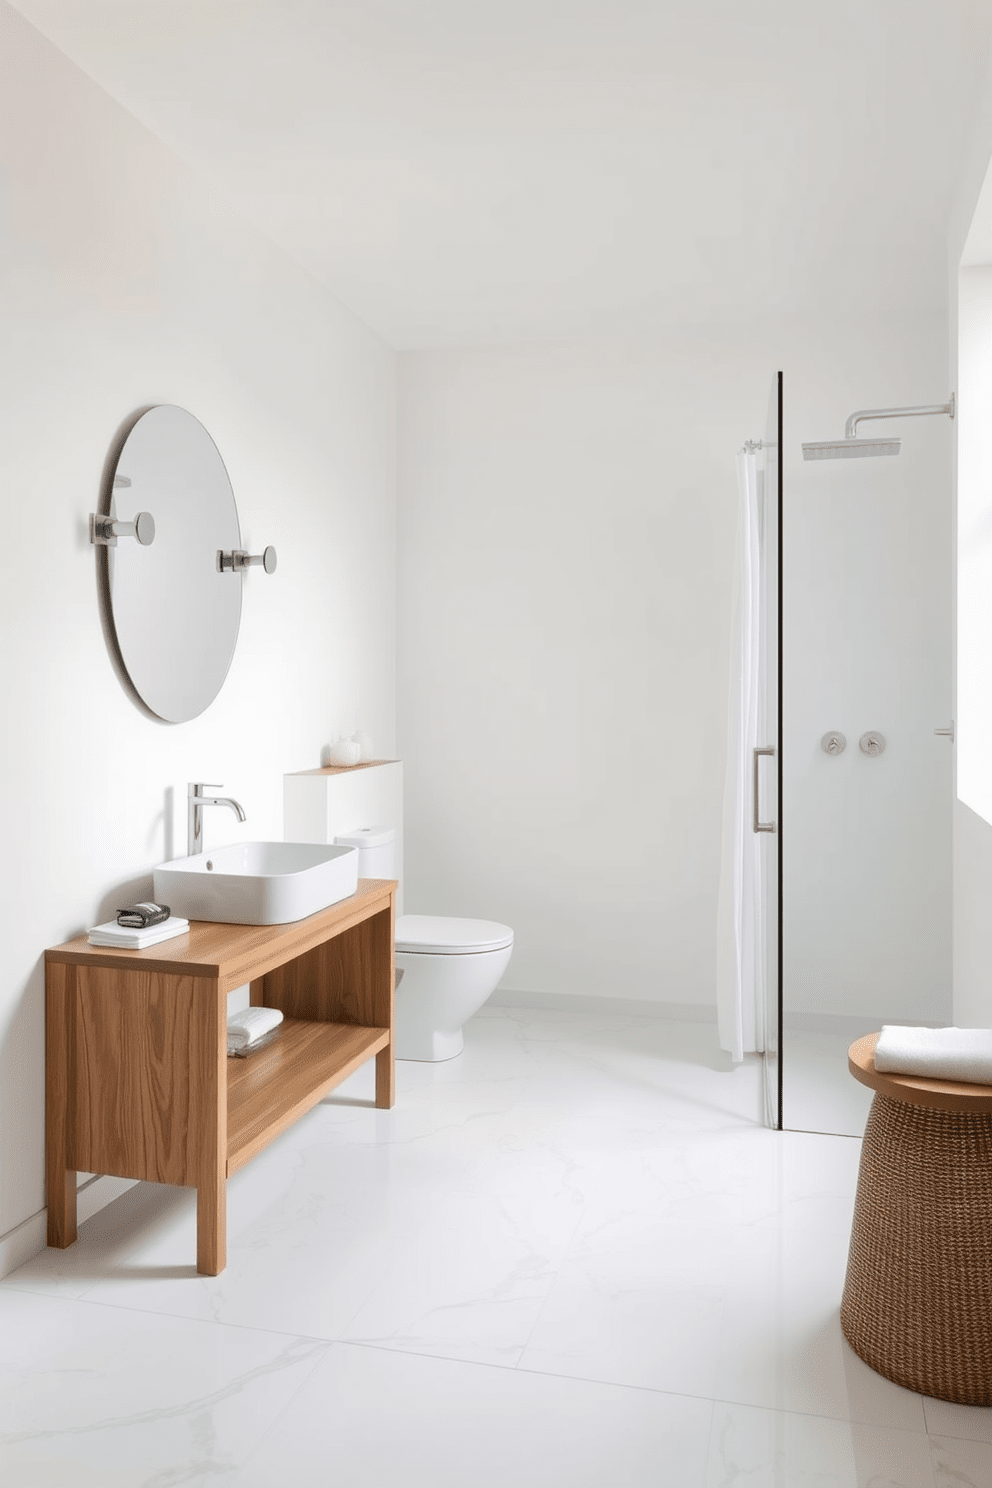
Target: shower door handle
{"x": 760, "y": 826}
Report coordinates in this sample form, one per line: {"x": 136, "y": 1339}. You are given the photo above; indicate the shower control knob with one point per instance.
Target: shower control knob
{"x": 833, "y": 743}
{"x": 872, "y": 743}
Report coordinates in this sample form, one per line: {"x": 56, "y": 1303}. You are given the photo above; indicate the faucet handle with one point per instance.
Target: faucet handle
{"x": 194, "y": 787}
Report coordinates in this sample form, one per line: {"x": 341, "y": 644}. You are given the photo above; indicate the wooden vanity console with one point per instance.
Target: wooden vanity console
{"x": 138, "y": 1082}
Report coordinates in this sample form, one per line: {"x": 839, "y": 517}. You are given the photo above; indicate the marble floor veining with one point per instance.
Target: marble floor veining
{"x": 571, "y": 1258}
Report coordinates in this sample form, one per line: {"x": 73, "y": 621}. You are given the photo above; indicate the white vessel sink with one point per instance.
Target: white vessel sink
{"x": 258, "y": 883}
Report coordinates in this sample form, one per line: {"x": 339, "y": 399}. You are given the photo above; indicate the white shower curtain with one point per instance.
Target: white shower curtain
{"x": 740, "y": 952}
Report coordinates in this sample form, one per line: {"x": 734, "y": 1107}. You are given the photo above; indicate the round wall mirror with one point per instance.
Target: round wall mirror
{"x": 174, "y": 609}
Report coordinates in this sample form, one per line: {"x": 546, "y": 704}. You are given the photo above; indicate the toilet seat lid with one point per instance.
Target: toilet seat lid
{"x": 443, "y": 936}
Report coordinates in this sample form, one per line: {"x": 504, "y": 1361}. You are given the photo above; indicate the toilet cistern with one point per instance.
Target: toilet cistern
{"x": 195, "y": 802}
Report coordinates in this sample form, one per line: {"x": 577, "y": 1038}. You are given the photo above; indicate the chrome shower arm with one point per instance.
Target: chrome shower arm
{"x": 850, "y": 428}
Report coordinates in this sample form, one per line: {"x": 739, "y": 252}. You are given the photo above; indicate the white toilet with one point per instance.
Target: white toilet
{"x": 446, "y": 968}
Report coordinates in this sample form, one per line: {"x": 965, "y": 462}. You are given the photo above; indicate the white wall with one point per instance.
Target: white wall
{"x": 124, "y": 282}
{"x": 567, "y": 521}
{"x": 973, "y": 807}
{"x": 974, "y": 512}
{"x": 562, "y": 666}
{"x": 972, "y": 920}
{"x": 969, "y": 240}
{"x": 868, "y": 612}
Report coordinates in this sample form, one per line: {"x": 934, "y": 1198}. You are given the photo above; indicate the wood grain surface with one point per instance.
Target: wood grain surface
{"x": 234, "y": 954}
{"x": 138, "y": 1083}
{"x": 343, "y": 769}
{"x": 350, "y": 979}
{"x": 60, "y": 1174}
{"x": 345, "y": 980}
{"x": 269, "y": 1090}
{"x": 938, "y": 1095}
{"x": 149, "y": 1081}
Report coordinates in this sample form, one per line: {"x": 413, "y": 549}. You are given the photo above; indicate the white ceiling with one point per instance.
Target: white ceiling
{"x": 463, "y": 171}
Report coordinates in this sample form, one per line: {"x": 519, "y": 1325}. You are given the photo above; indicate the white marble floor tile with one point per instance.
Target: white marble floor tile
{"x": 752, "y": 1448}
{"x": 441, "y": 1106}
{"x": 618, "y": 1068}
{"x": 814, "y": 1184}
{"x": 105, "y": 1242}
{"x": 972, "y": 1422}
{"x": 369, "y": 1417}
{"x": 961, "y": 1464}
{"x": 819, "y": 1093}
{"x": 782, "y": 1344}
{"x": 644, "y": 1310}
{"x": 748, "y": 1177}
{"x": 314, "y": 1224}
{"x": 110, "y": 1397}
{"x": 543, "y": 1266}
{"x": 469, "y": 1284}
{"x": 308, "y": 1240}
{"x": 743, "y": 1313}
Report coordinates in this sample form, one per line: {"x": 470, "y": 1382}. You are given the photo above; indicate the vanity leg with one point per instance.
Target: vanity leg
{"x": 211, "y": 1171}
{"x": 61, "y": 1207}
{"x": 385, "y": 1077}
{"x": 59, "y": 1177}
{"x": 211, "y": 1227}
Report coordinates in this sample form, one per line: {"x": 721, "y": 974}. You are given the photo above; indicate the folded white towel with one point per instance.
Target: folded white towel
{"x": 136, "y": 938}
{"x": 248, "y": 1026}
{"x": 936, "y": 1053}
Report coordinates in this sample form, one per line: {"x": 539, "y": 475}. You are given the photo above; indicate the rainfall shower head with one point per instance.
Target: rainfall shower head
{"x": 849, "y": 448}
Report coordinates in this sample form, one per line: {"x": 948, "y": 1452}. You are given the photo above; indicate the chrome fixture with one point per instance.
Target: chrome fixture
{"x": 105, "y": 530}
{"x": 833, "y": 743}
{"x": 238, "y": 559}
{"x": 850, "y": 446}
{"x": 760, "y": 826}
{"x": 195, "y": 803}
{"x": 872, "y": 743}
{"x": 947, "y": 733}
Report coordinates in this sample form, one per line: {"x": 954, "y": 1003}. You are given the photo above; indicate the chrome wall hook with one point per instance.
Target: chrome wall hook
{"x": 105, "y": 530}
{"x": 833, "y": 743}
{"x": 238, "y": 559}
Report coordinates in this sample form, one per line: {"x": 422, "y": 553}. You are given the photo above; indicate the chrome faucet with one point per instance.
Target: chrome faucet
{"x": 195, "y": 802}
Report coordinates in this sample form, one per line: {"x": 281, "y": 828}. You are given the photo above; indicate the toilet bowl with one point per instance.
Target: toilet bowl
{"x": 450, "y": 967}
{"x": 446, "y": 967}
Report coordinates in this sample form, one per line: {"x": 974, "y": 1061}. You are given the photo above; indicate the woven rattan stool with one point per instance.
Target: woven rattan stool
{"x": 918, "y": 1297}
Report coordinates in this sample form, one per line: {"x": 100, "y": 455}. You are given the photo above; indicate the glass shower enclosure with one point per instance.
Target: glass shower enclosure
{"x": 749, "y": 916}
{"x": 767, "y": 759}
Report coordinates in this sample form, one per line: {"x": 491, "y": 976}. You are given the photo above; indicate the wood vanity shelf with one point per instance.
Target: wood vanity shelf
{"x": 138, "y": 1082}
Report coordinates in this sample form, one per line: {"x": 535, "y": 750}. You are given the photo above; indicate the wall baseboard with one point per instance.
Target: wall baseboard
{"x": 851, "y": 1025}
{"x": 30, "y": 1237}
{"x": 628, "y": 1007}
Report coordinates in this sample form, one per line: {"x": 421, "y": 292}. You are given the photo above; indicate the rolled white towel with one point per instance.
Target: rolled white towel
{"x": 936, "y": 1053}
{"x": 248, "y": 1026}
